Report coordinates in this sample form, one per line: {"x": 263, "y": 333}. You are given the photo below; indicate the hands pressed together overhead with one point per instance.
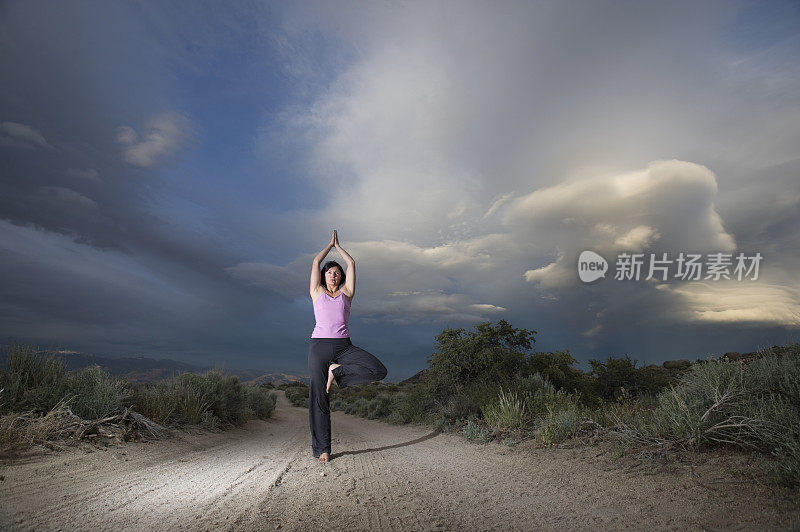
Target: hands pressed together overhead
{"x": 334, "y": 240}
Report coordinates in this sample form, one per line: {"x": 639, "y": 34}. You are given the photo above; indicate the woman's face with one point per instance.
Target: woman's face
{"x": 333, "y": 276}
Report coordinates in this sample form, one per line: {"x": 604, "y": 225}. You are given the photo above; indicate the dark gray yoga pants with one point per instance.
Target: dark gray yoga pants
{"x": 357, "y": 367}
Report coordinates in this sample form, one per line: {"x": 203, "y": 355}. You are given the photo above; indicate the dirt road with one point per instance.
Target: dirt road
{"x": 382, "y": 477}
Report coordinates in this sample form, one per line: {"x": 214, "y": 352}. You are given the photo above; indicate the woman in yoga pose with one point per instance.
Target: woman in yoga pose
{"x": 331, "y": 356}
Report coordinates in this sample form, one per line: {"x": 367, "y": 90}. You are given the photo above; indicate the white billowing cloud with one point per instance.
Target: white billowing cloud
{"x": 379, "y": 149}
{"x": 667, "y": 207}
{"x": 404, "y": 309}
{"x": 88, "y": 174}
{"x": 637, "y": 238}
{"x": 745, "y": 302}
{"x": 126, "y": 135}
{"x": 162, "y": 135}
{"x": 66, "y": 199}
{"x": 22, "y": 136}
{"x": 553, "y": 275}
{"x": 496, "y": 204}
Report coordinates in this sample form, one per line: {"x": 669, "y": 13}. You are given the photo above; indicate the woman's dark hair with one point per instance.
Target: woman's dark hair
{"x": 328, "y": 265}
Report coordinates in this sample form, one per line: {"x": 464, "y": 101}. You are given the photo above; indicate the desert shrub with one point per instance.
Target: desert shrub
{"x": 557, "y": 368}
{"x": 359, "y": 407}
{"x": 222, "y": 395}
{"x": 31, "y": 381}
{"x": 722, "y": 403}
{"x": 753, "y": 406}
{"x": 459, "y": 406}
{"x": 556, "y": 414}
{"x": 475, "y": 432}
{"x": 629, "y": 412}
{"x": 614, "y": 376}
{"x": 337, "y": 403}
{"x": 380, "y": 407}
{"x": 619, "y": 376}
{"x": 412, "y": 405}
{"x": 777, "y": 373}
{"x": 157, "y": 401}
{"x": 442, "y": 425}
{"x": 290, "y": 384}
{"x": 366, "y": 391}
{"x": 297, "y": 394}
{"x": 559, "y": 424}
{"x": 542, "y": 402}
{"x": 784, "y": 467}
{"x": 26, "y": 429}
{"x": 507, "y": 411}
{"x": 194, "y": 397}
{"x": 93, "y": 394}
{"x": 261, "y": 401}
{"x": 492, "y": 354}
{"x": 531, "y": 384}
{"x": 375, "y": 408}
{"x": 704, "y": 400}
{"x": 209, "y": 421}
{"x": 542, "y": 397}
{"x": 395, "y": 418}
{"x": 228, "y": 398}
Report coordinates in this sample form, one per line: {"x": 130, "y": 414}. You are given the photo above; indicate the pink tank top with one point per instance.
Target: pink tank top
{"x": 331, "y": 314}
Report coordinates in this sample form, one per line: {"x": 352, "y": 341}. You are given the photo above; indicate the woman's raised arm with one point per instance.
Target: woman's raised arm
{"x": 314, "y": 285}
{"x": 349, "y": 288}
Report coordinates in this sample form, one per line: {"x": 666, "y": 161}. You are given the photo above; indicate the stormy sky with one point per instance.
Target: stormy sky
{"x": 169, "y": 169}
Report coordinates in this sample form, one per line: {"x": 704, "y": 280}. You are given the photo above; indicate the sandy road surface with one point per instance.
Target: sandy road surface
{"x": 383, "y": 477}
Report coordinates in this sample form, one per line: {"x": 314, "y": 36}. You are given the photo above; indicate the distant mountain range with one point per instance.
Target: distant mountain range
{"x": 144, "y": 369}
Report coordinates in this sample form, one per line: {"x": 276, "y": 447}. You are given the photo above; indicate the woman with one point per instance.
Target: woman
{"x": 331, "y": 356}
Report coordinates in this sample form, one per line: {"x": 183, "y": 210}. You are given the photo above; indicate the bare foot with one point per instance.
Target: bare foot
{"x": 330, "y": 376}
{"x": 324, "y": 457}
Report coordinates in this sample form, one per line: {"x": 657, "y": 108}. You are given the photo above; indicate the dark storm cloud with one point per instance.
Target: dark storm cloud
{"x": 88, "y": 121}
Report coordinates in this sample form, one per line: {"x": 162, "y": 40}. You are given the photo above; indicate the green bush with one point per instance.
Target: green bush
{"x": 228, "y": 397}
{"x": 297, "y": 394}
{"x": 532, "y": 384}
{"x": 777, "y": 373}
{"x": 412, "y": 405}
{"x": 460, "y": 406}
{"x": 617, "y": 377}
{"x": 93, "y": 394}
{"x": 557, "y": 368}
{"x": 380, "y": 407}
{"x": 560, "y": 424}
{"x": 505, "y": 412}
{"x": 261, "y": 401}
{"x": 222, "y": 395}
{"x": 493, "y": 354}
{"x": 194, "y": 397}
{"x": 614, "y": 376}
{"x": 395, "y": 418}
{"x": 157, "y": 401}
{"x": 209, "y": 421}
{"x": 31, "y": 381}
{"x": 753, "y": 406}
{"x": 475, "y": 432}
